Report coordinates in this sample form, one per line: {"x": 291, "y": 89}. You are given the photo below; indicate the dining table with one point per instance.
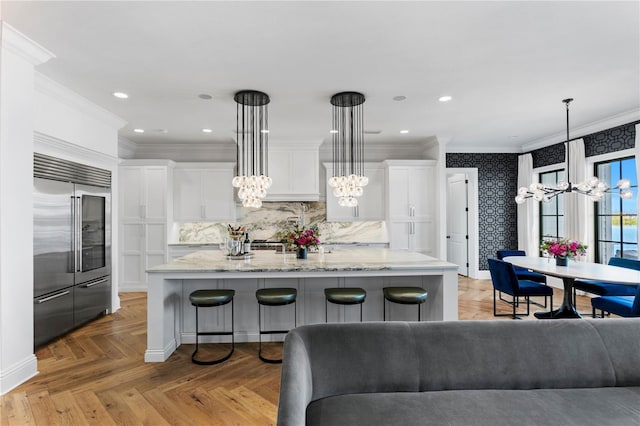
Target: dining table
{"x": 575, "y": 269}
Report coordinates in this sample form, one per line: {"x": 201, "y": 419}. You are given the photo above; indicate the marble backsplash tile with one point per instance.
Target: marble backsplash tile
{"x": 264, "y": 223}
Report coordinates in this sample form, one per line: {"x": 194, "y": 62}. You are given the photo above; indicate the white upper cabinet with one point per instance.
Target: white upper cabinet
{"x": 143, "y": 191}
{"x": 203, "y": 192}
{"x": 412, "y": 199}
{"x": 370, "y": 204}
{"x": 294, "y": 169}
{"x": 411, "y": 189}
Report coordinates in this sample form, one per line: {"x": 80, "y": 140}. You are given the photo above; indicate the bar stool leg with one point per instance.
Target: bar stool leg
{"x": 214, "y": 333}
{"x": 260, "y": 333}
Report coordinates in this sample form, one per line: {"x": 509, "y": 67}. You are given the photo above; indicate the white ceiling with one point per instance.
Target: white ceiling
{"x": 507, "y": 65}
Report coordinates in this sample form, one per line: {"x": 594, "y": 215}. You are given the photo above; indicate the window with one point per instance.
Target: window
{"x": 552, "y": 213}
{"x": 616, "y": 220}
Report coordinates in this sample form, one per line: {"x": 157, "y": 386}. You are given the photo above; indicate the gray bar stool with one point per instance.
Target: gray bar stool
{"x": 274, "y": 297}
{"x": 207, "y": 299}
{"x": 344, "y": 296}
{"x": 404, "y": 296}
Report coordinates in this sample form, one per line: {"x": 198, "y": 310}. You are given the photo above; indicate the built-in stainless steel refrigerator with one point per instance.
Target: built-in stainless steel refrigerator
{"x": 71, "y": 244}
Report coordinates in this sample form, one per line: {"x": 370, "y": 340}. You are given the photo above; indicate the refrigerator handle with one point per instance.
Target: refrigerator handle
{"x": 78, "y": 219}
{"x": 72, "y": 259}
{"x": 91, "y": 284}
{"x": 55, "y": 296}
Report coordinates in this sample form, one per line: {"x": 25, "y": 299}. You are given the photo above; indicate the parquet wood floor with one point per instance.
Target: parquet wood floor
{"x": 96, "y": 375}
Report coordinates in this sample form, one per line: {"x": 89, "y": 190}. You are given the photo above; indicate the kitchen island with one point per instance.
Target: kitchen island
{"x": 171, "y": 318}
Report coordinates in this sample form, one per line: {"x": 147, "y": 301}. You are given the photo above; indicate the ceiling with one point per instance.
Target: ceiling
{"x": 507, "y": 65}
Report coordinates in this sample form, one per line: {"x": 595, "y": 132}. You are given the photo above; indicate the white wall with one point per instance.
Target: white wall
{"x": 18, "y": 55}
{"x": 37, "y": 114}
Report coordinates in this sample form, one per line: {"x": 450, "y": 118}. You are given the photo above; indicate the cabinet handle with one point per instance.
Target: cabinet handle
{"x": 356, "y": 211}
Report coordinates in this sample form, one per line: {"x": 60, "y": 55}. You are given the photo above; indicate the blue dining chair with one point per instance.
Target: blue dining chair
{"x": 624, "y": 306}
{"x": 609, "y": 289}
{"x": 505, "y": 280}
{"x": 523, "y": 273}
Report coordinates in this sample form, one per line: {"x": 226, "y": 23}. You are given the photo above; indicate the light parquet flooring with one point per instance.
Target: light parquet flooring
{"x": 96, "y": 375}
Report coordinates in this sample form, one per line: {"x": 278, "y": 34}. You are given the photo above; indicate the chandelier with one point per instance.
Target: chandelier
{"x": 593, "y": 187}
{"x": 347, "y": 132}
{"x": 252, "y": 139}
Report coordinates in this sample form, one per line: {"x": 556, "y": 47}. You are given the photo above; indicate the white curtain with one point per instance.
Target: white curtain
{"x": 575, "y": 205}
{"x": 527, "y": 214}
{"x": 637, "y": 149}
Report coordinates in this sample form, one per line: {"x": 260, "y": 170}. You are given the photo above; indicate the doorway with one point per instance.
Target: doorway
{"x": 462, "y": 220}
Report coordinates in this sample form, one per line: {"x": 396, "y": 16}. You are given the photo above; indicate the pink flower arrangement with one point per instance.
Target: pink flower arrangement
{"x": 563, "y": 248}
{"x": 304, "y": 238}
{"x": 301, "y": 237}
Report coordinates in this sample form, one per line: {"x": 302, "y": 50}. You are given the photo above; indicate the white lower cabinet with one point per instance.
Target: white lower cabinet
{"x": 143, "y": 245}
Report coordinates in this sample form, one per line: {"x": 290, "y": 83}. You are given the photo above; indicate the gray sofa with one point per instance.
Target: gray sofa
{"x": 552, "y": 372}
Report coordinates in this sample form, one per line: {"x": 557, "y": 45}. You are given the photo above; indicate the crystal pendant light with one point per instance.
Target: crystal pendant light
{"x": 347, "y": 131}
{"x": 252, "y": 138}
{"x": 593, "y": 187}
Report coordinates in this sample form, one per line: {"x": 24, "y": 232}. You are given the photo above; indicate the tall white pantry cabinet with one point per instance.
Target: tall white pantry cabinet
{"x": 146, "y": 211}
{"x": 411, "y": 201}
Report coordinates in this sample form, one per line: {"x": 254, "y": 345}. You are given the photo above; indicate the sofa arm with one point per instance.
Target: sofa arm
{"x": 296, "y": 386}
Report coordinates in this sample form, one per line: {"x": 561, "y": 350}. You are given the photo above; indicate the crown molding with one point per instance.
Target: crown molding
{"x": 57, "y": 91}
{"x": 182, "y": 152}
{"x": 50, "y": 145}
{"x": 588, "y": 129}
{"x": 18, "y": 43}
{"x": 463, "y": 149}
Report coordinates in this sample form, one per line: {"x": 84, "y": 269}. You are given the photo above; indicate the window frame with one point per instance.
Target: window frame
{"x": 548, "y": 171}
{"x": 618, "y": 157}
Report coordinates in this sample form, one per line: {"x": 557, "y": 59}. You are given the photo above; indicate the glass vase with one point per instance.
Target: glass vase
{"x": 301, "y": 253}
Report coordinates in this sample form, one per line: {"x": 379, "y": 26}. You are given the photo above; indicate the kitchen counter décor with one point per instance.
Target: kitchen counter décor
{"x": 170, "y": 320}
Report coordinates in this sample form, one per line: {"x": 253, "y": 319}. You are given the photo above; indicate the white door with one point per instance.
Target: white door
{"x": 458, "y": 222}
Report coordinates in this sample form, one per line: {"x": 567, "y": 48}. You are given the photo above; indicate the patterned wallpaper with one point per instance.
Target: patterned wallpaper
{"x": 604, "y": 142}
{"x": 497, "y": 184}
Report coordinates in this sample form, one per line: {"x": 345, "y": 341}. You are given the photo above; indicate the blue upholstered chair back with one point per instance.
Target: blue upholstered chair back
{"x": 625, "y": 263}
{"x": 503, "y": 276}
{"x": 635, "y": 308}
{"x": 501, "y": 254}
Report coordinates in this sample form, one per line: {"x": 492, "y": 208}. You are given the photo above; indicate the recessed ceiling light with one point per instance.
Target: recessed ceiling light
{"x": 399, "y": 98}
{"x": 446, "y": 98}
{"x": 333, "y": 131}
{"x": 404, "y": 132}
{"x": 264, "y": 131}
{"x": 120, "y": 95}
{"x": 207, "y": 130}
{"x": 205, "y": 96}
{"x": 138, "y": 130}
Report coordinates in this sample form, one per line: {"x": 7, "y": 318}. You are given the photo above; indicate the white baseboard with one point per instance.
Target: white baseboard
{"x": 18, "y": 374}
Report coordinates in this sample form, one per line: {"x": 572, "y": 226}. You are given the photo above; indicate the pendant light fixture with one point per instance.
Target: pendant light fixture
{"x": 252, "y": 139}
{"x": 592, "y": 187}
{"x": 347, "y": 133}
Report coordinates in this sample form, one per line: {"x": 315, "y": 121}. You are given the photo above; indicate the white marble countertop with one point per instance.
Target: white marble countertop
{"x": 351, "y": 259}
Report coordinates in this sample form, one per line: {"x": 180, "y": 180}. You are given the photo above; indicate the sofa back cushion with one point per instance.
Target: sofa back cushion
{"x": 410, "y": 356}
{"x": 519, "y": 355}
